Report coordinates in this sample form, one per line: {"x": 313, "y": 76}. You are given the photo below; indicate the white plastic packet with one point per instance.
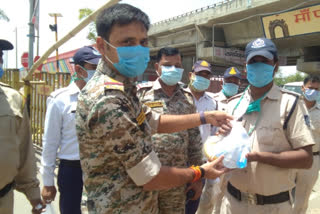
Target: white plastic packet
{"x": 234, "y": 147}
{"x": 49, "y": 209}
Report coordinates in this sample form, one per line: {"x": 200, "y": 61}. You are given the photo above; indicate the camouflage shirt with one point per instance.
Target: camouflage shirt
{"x": 178, "y": 149}
{"x": 114, "y": 132}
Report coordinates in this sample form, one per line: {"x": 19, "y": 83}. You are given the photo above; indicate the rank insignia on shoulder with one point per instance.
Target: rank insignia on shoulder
{"x": 141, "y": 117}
{"x": 307, "y": 120}
{"x": 114, "y": 85}
{"x": 154, "y": 104}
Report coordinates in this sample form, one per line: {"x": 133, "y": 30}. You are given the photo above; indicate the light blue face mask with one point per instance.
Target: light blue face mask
{"x": 259, "y": 74}
{"x": 90, "y": 74}
{"x": 171, "y": 75}
{"x": 133, "y": 60}
{"x": 199, "y": 83}
{"x": 1, "y": 70}
{"x": 230, "y": 89}
{"x": 311, "y": 94}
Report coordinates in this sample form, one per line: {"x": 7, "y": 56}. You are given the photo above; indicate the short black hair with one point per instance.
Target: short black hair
{"x": 167, "y": 51}
{"x": 311, "y": 78}
{"x": 119, "y": 14}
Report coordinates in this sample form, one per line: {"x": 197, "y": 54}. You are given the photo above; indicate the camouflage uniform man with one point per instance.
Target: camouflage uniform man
{"x": 167, "y": 95}
{"x": 17, "y": 160}
{"x": 114, "y": 128}
{"x": 281, "y": 140}
{"x": 307, "y": 178}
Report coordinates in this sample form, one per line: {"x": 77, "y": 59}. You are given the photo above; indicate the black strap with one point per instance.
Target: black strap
{"x": 71, "y": 163}
{"x": 285, "y": 124}
{"x": 260, "y": 199}
{"x": 6, "y": 189}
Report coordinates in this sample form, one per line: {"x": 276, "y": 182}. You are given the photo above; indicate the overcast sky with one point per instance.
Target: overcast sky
{"x": 18, "y": 13}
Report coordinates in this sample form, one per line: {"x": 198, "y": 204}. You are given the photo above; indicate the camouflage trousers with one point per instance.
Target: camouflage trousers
{"x": 172, "y": 201}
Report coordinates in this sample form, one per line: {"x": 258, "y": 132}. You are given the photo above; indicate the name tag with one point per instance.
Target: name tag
{"x": 154, "y": 104}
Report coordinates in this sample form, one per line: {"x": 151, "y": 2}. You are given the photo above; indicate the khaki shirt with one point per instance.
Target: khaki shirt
{"x": 178, "y": 149}
{"x": 314, "y": 113}
{"x": 17, "y": 159}
{"x": 269, "y": 136}
{"x": 114, "y": 133}
{"x": 222, "y": 100}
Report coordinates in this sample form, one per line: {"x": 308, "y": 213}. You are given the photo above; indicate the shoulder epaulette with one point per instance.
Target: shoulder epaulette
{"x": 111, "y": 84}
{"x": 57, "y": 92}
{"x": 148, "y": 84}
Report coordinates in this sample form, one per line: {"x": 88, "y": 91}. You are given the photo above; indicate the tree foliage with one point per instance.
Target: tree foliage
{"x": 4, "y": 16}
{"x": 281, "y": 80}
{"x": 92, "y": 35}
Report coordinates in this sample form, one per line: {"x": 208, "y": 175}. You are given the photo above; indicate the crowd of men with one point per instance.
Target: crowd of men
{"x": 137, "y": 148}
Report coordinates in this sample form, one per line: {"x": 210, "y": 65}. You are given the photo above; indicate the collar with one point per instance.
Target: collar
{"x": 316, "y": 106}
{"x": 273, "y": 94}
{"x": 73, "y": 89}
{"x": 103, "y": 68}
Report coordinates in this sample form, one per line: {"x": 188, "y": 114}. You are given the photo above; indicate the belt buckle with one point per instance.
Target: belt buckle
{"x": 251, "y": 198}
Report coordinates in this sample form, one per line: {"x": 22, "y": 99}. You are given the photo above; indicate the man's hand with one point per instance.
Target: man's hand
{"x": 197, "y": 188}
{"x": 48, "y": 193}
{"x": 252, "y": 156}
{"x": 214, "y": 169}
{"x": 220, "y": 119}
{"x": 37, "y": 206}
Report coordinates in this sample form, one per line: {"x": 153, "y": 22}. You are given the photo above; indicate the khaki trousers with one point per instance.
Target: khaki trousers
{"x": 6, "y": 203}
{"x": 230, "y": 205}
{"x": 306, "y": 179}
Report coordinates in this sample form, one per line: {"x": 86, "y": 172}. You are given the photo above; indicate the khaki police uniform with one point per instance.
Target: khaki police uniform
{"x": 17, "y": 159}
{"x": 114, "y": 132}
{"x": 222, "y": 100}
{"x": 306, "y": 178}
{"x": 260, "y": 187}
{"x": 179, "y": 149}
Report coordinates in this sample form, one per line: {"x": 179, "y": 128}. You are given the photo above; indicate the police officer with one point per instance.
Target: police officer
{"x": 230, "y": 87}
{"x": 306, "y": 179}
{"x": 278, "y": 123}
{"x": 60, "y": 139}
{"x": 17, "y": 159}
{"x": 114, "y": 129}
{"x": 167, "y": 95}
{"x": 204, "y": 101}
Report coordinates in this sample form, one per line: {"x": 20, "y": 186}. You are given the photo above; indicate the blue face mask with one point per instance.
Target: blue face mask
{"x": 1, "y": 70}
{"x": 199, "y": 83}
{"x": 311, "y": 94}
{"x": 133, "y": 60}
{"x": 171, "y": 75}
{"x": 90, "y": 74}
{"x": 230, "y": 89}
{"x": 259, "y": 74}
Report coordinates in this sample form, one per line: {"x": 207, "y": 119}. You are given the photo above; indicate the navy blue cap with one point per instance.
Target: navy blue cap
{"x": 201, "y": 65}
{"x": 86, "y": 54}
{"x": 261, "y": 47}
{"x": 5, "y": 45}
{"x": 232, "y": 72}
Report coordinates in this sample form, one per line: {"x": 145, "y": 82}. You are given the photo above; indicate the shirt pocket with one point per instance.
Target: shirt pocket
{"x": 71, "y": 115}
{"x": 268, "y": 138}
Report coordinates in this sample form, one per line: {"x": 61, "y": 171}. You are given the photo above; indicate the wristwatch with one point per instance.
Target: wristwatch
{"x": 38, "y": 206}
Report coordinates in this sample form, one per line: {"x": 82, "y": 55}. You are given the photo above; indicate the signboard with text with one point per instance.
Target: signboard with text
{"x": 292, "y": 23}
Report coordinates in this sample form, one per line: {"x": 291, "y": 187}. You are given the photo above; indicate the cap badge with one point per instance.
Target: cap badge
{"x": 232, "y": 71}
{"x": 258, "y": 43}
{"x": 204, "y": 63}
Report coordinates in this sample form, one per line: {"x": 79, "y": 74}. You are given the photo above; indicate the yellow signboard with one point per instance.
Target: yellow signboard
{"x": 292, "y": 23}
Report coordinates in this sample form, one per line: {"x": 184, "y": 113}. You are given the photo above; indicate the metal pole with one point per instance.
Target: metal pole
{"x": 57, "y": 54}
{"x": 31, "y": 35}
